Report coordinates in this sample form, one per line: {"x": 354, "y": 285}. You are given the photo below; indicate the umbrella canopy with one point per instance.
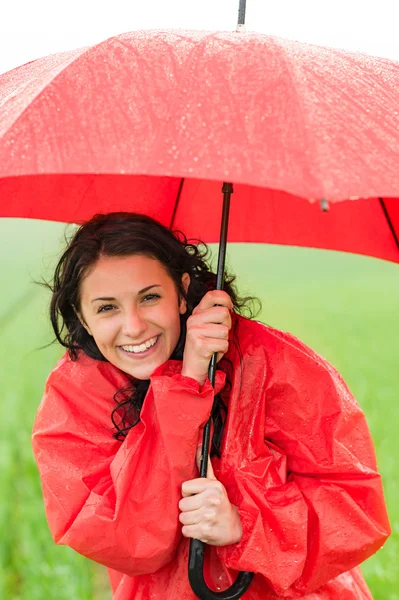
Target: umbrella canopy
{"x": 178, "y": 112}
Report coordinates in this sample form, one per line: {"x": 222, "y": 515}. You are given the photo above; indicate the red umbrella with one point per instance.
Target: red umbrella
{"x": 154, "y": 121}
{"x": 200, "y": 107}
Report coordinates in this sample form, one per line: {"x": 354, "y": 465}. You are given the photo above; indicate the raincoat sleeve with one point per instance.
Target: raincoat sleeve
{"x": 311, "y": 501}
{"x": 117, "y": 503}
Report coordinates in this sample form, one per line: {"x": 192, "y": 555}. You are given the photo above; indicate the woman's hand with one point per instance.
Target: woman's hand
{"x": 206, "y": 512}
{"x": 207, "y": 332}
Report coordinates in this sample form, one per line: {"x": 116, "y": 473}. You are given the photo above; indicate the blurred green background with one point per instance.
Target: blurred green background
{"x": 344, "y": 306}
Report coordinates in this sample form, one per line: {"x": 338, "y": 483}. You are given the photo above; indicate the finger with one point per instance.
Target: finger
{"x": 203, "y": 532}
{"x": 214, "y": 314}
{"x": 191, "y": 503}
{"x": 209, "y": 474}
{"x": 220, "y": 356}
{"x": 191, "y": 531}
{"x": 218, "y": 316}
{"x": 209, "y": 346}
{"x": 208, "y": 330}
{"x": 215, "y": 297}
{"x": 204, "y": 347}
{"x": 197, "y": 486}
{"x": 192, "y": 517}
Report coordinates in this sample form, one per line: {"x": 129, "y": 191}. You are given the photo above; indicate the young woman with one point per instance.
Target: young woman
{"x": 292, "y": 493}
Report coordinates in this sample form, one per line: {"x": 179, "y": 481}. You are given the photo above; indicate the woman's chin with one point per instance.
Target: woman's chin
{"x": 141, "y": 370}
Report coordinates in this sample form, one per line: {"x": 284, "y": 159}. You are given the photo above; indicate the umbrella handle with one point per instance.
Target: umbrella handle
{"x": 197, "y": 582}
{"x": 196, "y": 557}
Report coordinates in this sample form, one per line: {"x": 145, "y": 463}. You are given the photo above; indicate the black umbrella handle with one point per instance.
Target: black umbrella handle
{"x": 196, "y": 558}
{"x": 198, "y": 585}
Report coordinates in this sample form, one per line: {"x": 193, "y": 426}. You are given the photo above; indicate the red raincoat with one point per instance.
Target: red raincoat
{"x": 297, "y": 460}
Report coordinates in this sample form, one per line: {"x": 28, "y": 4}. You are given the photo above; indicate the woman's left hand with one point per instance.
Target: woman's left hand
{"x": 206, "y": 511}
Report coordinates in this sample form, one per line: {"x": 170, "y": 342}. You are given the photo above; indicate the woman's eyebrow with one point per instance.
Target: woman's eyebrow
{"x": 109, "y": 299}
{"x": 148, "y": 288}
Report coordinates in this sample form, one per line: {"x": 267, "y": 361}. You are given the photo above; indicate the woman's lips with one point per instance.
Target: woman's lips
{"x": 143, "y": 354}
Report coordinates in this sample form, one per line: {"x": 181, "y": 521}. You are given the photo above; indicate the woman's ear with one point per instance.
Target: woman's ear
{"x": 186, "y": 283}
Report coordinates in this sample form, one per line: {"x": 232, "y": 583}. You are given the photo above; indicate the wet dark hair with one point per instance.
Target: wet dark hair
{"x": 126, "y": 234}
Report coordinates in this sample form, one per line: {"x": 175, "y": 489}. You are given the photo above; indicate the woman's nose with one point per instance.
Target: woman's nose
{"x": 133, "y": 324}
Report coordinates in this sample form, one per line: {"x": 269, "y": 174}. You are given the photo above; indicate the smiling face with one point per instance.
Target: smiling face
{"x": 131, "y": 307}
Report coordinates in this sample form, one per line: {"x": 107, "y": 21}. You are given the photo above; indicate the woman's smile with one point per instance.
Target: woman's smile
{"x": 141, "y": 350}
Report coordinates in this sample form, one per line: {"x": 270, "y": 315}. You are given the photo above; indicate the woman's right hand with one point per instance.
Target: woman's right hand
{"x": 207, "y": 332}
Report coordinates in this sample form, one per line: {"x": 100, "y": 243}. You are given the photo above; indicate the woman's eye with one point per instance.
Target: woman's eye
{"x": 108, "y": 307}
{"x": 151, "y": 296}
{"x": 105, "y": 308}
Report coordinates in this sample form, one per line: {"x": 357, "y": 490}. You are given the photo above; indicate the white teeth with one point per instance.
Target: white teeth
{"x": 142, "y": 347}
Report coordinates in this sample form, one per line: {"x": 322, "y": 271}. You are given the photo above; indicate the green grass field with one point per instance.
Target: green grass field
{"x": 344, "y": 306}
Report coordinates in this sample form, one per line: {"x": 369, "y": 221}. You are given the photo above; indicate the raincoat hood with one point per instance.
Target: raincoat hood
{"x": 297, "y": 460}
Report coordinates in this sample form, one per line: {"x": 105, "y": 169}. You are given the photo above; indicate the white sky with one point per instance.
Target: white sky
{"x": 30, "y": 29}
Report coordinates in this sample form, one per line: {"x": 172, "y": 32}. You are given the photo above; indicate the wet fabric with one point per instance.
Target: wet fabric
{"x": 297, "y": 460}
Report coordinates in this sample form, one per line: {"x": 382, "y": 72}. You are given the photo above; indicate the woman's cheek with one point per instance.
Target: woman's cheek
{"x": 104, "y": 330}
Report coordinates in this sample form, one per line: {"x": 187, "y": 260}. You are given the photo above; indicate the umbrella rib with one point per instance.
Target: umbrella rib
{"x": 392, "y": 228}
{"x": 172, "y": 221}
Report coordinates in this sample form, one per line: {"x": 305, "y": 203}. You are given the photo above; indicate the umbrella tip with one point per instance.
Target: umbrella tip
{"x": 241, "y": 15}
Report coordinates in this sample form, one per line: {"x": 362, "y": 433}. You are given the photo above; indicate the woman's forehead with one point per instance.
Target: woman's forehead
{"x": 125, "y": 272}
